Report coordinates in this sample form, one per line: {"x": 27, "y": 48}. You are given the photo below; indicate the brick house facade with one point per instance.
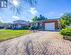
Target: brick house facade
{"x": 50, "y": 24}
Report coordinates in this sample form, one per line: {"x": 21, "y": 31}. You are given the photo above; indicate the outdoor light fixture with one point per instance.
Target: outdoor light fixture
{"x": 3, "y": 3}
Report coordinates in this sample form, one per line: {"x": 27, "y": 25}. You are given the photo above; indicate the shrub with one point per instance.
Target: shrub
{"x": 65, "y": 20}
{"x": 25, "y": 28}
{"x": 66, "y": 32}
{"x": 34, "y": 28}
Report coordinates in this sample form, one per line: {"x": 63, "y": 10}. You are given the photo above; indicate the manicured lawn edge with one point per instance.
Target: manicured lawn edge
{"x": 13, "y": 33}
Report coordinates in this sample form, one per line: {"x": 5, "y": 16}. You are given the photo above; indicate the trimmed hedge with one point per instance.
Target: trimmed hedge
{"x": 66, "y": 32}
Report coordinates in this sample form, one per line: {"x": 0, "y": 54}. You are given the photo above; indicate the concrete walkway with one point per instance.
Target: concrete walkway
{"x": 40, "y": 43}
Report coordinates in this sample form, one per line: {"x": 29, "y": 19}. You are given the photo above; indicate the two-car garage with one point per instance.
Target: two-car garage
{"x": 50, "y": 26}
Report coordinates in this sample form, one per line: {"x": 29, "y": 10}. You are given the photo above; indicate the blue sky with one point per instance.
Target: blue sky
{"x": 48, "y": 8}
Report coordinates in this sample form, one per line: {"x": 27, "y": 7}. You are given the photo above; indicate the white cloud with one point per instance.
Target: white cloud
{"x": 15, "y": 17}
{"x": 51, "y": 13}
{"x": 15, "y": 3}
{"x": 61, "y": 14}
{"x": 33, "y": 11}
{"x": 1, "y": 19}
{"x": 54, "y": 14}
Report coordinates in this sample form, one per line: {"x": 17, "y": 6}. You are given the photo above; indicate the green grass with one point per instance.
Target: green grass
{"x": 9, "y": 34}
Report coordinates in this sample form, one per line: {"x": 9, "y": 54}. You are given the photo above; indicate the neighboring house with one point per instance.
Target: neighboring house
{"x": 1, "y": 26}
{"x": 18, "y": 24}
{"x": 6, "y": 26}
{"x": 50, "y": 24}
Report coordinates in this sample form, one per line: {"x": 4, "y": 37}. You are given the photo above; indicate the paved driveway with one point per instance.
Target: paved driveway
{"x": 40, "y": 43}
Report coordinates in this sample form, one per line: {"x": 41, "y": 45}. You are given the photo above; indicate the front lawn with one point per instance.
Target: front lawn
{"x": 9, "y": 34}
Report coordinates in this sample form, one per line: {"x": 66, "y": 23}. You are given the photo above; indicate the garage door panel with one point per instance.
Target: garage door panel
{"x": 49, "y": 26}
